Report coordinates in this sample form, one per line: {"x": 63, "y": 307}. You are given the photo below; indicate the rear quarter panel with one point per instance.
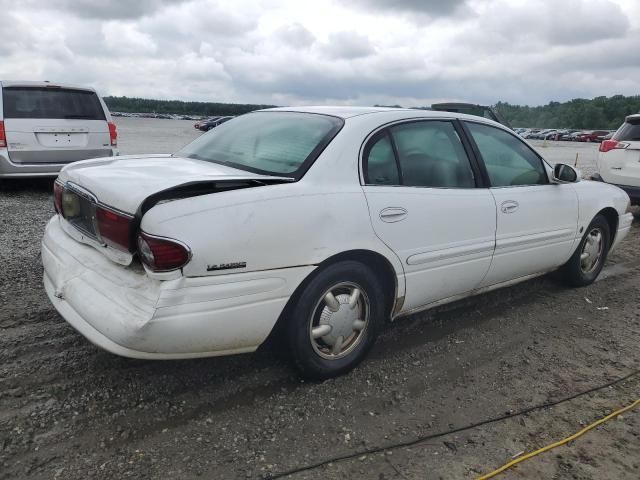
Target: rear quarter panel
{"x": 267, "y": 227}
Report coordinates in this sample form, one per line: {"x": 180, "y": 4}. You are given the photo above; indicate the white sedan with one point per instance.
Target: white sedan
{"x": 325, "y": 222}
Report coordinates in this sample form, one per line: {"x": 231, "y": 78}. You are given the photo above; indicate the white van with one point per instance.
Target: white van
{"x": 44, "y": 126}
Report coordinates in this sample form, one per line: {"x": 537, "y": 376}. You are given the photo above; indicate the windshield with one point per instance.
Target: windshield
{"x": 272, "y": 143}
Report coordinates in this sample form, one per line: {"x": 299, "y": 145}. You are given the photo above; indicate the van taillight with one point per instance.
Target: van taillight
{"x": 114, "y": 229}
{"x": 113, "y": 134}
{"x": 162, "y": 254}
{"x": 608, "y": 145}
{"x": 3, "y": 136}
{"x": 58, "y": 190}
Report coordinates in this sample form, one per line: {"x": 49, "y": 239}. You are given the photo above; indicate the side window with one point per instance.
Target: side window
{"x": 431, "y": 154}
{"x": 509, "y": 161}
{"x": 381, "y": 167}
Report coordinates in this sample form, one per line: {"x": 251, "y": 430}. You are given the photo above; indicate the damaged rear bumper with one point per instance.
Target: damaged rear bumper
{"x": 122, "y": 310}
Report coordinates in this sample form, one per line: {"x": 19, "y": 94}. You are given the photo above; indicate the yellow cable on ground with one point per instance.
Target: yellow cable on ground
{"x": 559, "y": 443}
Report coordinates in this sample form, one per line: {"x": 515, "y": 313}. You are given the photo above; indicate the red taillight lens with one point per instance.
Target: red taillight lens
{"x": 161, "y": 254}
{"x": 608, "y": 145}
{"x": 3, "y": 136}
{"x": 114, "y": 228}
{"x": 113, "y": 134}
{"x": 58, "y": 190}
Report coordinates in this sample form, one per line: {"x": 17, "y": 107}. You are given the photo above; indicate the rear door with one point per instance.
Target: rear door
{"x": 536, "y": 221}
{"x": 424, "y": 203}
{"x": 621, "y": 165}
{"x": 54, "y": 125}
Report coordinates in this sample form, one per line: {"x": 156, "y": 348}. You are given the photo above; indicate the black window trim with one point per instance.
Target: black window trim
{"x": 483, "y": 166}
{"x": 476, "y": 167}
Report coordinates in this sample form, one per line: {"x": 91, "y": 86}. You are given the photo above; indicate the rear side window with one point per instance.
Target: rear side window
{"x": 431, "y": 154}
{"x": 381, "y": 165}
{"x": 629, "y": 131}
{"x": 509, "y": 161}
{"x": 52, "y": 103}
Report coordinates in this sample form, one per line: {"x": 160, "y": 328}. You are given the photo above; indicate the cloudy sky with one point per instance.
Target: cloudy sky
{"x": 291, "y": 52}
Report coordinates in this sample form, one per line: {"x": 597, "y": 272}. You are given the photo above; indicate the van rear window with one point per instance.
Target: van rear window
{"x": 51, "y": 102}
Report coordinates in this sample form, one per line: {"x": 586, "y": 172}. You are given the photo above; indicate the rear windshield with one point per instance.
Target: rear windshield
{"x": 272, "y": 143}
{"x": 629, "y": 131}
{"x": 49, "y": 102}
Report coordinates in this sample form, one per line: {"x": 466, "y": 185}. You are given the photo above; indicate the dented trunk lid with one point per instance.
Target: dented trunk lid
{"x": 128, "y": 183}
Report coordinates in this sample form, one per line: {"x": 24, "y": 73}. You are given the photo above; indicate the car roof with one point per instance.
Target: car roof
{"x": 337, "y": 111}
{"x": 28, "y": 83}
{"x": 387, "y": 113}
{"x": 349, "y": 112}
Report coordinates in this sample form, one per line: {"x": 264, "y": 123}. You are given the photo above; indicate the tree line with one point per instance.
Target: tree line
{"x": 178, "y": 107}
{"x": 598, "y": 113}
{"x": 605, "y": 113}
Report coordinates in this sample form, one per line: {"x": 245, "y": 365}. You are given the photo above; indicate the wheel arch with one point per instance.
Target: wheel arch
{"x": 375, "y": 260}
{"x": 611, "y": 215}
{"x": 378, "y": 263}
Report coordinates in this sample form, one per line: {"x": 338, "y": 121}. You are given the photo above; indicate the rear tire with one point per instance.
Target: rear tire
{"x": 585, "y": 265}
{"x": 335, "y": 320}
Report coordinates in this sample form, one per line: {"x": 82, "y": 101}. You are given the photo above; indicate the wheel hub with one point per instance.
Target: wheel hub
{"x": 341, "y": 322}
{"x": 592, "y": 250}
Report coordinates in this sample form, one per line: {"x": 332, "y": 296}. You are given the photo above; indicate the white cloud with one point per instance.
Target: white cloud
{"x": 411, "y": 52}
{"x": 348, "y": 45}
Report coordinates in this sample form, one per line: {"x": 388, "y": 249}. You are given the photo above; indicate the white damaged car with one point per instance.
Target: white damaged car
{"x": 325, "y": 221}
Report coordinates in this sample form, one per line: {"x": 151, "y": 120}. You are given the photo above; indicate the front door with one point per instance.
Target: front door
{"x": 421, "y": 190}
{"x": 536, "y": 221}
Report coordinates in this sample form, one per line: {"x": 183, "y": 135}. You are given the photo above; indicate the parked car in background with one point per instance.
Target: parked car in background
{"x": 569, "y": 135}
{"x": 607, "y": 136}
{"x": 540, "y": 134}
{"x": 591, "y": 136}
{"x": 531, "y": 133}
{"x": 212, "y": 123}
{"x": 573, "y": 137}
{"x": 44, "y": 126}
{"x": 550, "y": 135}
{"x": 199, "y": 125}
{"x": 327, "y": 221}
{"x": 619, "y": 158}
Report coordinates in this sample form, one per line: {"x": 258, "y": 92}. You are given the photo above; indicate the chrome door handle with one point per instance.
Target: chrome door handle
{"x": 509, "y": 206}
{"x": 393, "y": 214}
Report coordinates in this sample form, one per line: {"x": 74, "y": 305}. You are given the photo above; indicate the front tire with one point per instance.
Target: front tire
{"x": 585, "y": 265}
{"x": 335, "y": 320}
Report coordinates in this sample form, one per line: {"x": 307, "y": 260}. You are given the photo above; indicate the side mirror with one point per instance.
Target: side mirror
{"x": 564, "y": 174}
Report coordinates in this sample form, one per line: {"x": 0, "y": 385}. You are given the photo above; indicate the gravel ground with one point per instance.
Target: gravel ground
{"x": 71, "y": 411}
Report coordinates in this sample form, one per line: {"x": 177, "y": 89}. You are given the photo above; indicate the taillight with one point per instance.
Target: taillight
{"x": 608, "y": 145}
{"x": 161, "y": 254}
{"x": 114, "y": 228}
{"x": 58, "y": 190}
{"x": 113, "y": 134}
{"x": 3, "y": 136}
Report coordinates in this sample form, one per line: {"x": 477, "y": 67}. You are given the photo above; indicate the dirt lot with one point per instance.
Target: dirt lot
{"x": 71, "y": 411}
